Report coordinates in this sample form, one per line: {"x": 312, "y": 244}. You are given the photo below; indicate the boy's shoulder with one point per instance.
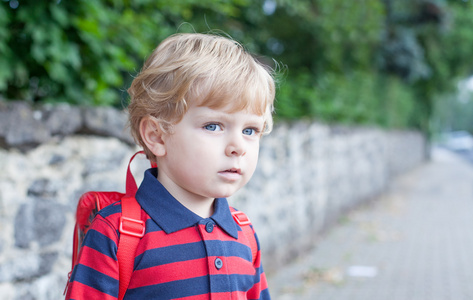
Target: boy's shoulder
{"x": 240, "y": 217}
{"x": 110, "y": 215}
{"x": 112, "y": 210}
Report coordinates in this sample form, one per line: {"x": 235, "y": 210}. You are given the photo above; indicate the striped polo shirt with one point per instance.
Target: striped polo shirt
{"x": 181, "y": 256}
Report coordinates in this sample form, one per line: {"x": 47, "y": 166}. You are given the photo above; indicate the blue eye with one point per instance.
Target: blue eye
{"x": 249, "y": 131}
{"x": 212, "y": 127}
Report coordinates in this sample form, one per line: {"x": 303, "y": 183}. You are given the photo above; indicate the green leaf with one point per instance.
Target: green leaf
{"x": 59, "y": 14}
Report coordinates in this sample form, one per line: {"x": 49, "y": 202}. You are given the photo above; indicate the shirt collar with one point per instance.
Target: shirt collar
{"x": 171, "y": 215}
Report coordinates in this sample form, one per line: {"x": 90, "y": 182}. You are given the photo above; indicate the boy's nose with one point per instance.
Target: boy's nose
{"x": 235, "y": 147}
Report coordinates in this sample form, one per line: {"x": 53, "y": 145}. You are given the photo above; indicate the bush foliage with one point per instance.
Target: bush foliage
{"x": 370, "y": 62}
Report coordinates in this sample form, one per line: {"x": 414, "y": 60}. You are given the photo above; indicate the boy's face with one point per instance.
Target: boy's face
{"x": 210, "y": 153}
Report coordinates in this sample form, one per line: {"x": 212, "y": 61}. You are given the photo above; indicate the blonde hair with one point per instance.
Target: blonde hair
{"x": 211, "y": 70}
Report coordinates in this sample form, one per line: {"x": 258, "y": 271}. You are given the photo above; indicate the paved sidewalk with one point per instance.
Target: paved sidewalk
{"x": 414, "y": 243}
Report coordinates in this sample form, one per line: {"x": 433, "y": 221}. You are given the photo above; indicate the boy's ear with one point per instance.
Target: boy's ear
{"x": 152, "y": 135}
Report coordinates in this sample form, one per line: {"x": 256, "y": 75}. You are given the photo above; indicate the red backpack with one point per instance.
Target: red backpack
{"x": 131, "y": 227}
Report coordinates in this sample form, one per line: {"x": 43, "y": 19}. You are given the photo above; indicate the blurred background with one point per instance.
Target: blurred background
{"x": 393, "y": 63}
{"x": 364, "y": 89}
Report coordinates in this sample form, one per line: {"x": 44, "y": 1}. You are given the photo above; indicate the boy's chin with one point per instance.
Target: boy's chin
{"x": 225, "y": 192}
{"x": 225, "y": 195}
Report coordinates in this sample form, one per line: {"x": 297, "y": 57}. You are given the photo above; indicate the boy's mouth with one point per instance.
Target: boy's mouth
{"x": 231, "y": 174}
{"x": 233, "y": 170}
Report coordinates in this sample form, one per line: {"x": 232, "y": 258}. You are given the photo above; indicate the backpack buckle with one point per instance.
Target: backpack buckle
{"x": 241, "y": 218}
{"x": 132, "y": 227}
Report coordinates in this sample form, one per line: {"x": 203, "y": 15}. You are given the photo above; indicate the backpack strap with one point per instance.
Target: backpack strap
{"x": 131, "y": 186}
{"x": 131, "y": 229}
{"x": 242, "y": 219}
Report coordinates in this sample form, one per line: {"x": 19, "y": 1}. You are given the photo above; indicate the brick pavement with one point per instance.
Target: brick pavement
{"x": 413, "y": 243}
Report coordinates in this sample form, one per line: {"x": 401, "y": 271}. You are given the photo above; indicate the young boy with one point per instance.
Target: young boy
{"x": 198, "y": 108}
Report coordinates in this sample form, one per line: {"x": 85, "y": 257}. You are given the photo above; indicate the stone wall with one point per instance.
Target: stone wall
{"x": 308, "y": 175}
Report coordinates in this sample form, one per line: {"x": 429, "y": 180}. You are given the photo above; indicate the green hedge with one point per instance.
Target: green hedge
{"x": 358, "y": 98}
{"x": 83, "y": 52}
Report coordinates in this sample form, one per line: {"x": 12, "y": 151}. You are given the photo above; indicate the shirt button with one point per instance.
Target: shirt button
{"x": 209, "y": 227}
{"x": 218, "y": 263}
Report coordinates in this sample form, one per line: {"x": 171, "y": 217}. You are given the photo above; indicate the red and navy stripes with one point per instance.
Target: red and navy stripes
{"x": 194, "y": 259}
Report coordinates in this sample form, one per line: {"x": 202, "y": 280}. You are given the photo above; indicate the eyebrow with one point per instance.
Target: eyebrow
{"x": 215, "y": 112}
